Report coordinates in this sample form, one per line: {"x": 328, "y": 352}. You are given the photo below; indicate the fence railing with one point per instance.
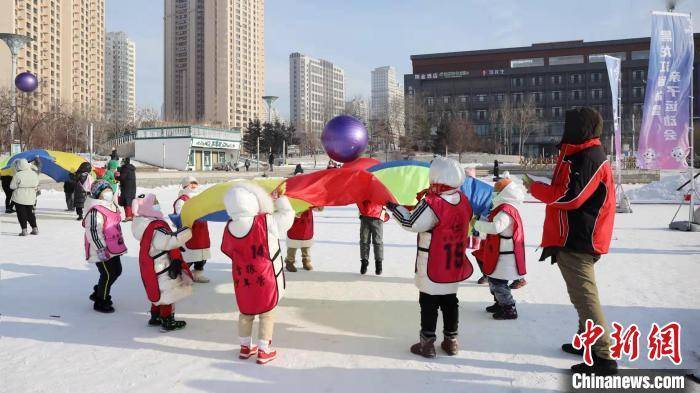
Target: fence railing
{"x": 629, "y": 162}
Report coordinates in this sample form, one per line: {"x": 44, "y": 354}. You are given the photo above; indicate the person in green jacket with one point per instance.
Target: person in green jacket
{"x": 110, "y": 174}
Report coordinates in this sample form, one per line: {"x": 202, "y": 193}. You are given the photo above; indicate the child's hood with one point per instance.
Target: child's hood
{"x": 138, "y": 226}
{"x": 512, "y": 194}
{"x": 246, "y": 199}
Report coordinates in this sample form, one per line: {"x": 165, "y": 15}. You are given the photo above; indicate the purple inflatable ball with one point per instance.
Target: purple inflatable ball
{"x": 344, "y": 138}
{"x": 26, "y": 82}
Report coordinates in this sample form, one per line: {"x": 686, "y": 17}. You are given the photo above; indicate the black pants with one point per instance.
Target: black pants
{"x": 79, "y": 210}
{"x": 109, "y": 272}
{"x": 25, "y": 213}
{"x": 69, "y": 201}
{"x": 6, "y": 180}
{"x": 198, "y": 265}
{"x": 448, "y": 304}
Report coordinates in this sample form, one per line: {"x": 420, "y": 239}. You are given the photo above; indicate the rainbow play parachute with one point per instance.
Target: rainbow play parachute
{"x": 57, "y": 165}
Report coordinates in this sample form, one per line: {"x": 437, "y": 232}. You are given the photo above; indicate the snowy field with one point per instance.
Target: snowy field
{"x": 336, "y": 331}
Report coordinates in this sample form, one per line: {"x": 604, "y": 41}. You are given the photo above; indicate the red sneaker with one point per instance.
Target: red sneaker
{"x": 518, "y": 284}
{"x": 265, "y": 357}
{"x": 247, "y": 352}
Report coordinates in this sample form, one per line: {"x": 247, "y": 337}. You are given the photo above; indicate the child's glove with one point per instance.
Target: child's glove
{"x": 391, "y": 205}
{"x": 175, "y": 268}
{"x": 103, "y": 254}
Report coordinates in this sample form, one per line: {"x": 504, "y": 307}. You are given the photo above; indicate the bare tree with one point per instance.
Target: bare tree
{"x": 462, "y": 137}
{"x": 525, "y": 120}
{"x": 501, "y": 117}
{"x": 417, "y": 121}
{"x": 310, "y": 143}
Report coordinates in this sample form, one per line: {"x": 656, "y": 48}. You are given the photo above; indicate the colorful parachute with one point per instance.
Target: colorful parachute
{"x": 396, "y": 181}
{"x": 57, "y": 165}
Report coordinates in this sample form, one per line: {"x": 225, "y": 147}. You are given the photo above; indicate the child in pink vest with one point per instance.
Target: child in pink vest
{"x": 104, "y": 242}
{"x": 502, "y": 253}
{"x": 251, "y": 240}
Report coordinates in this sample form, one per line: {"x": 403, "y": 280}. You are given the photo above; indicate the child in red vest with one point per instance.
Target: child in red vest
{"x": 441, "y": 219}
{"x": 301, "y": 235}
{"x": 196, "y": 250}
{"x": 502, "y": 254}
{"x": 104, "y": 242}
{"x": 165, "y": 276}
{"x": 251, "y": 240}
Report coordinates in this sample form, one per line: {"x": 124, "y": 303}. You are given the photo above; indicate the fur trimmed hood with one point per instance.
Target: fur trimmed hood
{"x": 512, "y": 194}
{"x": 247, "y": 199}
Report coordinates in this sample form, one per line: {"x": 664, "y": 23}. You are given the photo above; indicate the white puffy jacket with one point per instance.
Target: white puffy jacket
{"x": 246, "y": 200}
{"x": 502, "y": 224}
{"x": 171, "y": 290}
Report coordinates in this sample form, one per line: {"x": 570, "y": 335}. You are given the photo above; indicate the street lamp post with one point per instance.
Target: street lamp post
{"x": 14, "y": 42}
{"x": 268, "y": 100}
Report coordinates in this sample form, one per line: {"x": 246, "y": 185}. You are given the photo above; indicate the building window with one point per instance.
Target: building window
{"x": 431, "y": 101}
{"x": 556, "y": 79}
{"x": 577, "y": 94}
{"x": 538, "y": 96}
{"x": 519, "y": 63}
{"x": 576, "y": 78}
{"x": 499, "y": 97}
{"x": 556, "y": 95}
{"x": 517, "y": 97}
{"x": 463, "y": 99}
{"x": 638, "y": 92}
{"x": 445, "y": 99}
{"x": 539, "y": 112}
{"x": 597, "y": 94}
{"x": 537, "y": 80}
{"x": 516, "y": 82}
{"x": 207, "y": 158}
{"x": 600, "y": 57}
{"x": 596, "y": 77}
{"x": 481, "y": 97}
{"x": 638, "y": 75}
{"x": 562, "y": 60}
{"x": 222, "y": 156}
{"x": 190, "y": 160}
{"x": 640, "y": 55}
{"x": 556, "y": 112}
{"x": 637, "y": 110}
{"x": 481, "y": 114}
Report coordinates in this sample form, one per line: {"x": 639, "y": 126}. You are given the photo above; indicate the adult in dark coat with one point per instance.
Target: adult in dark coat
{"x": 271, "y": 160}
{"x": 69, "y": 190}
{"x": 127, "y": 184}
{"x": 114, "y": 155}
{"x": 9, "y": 205}
{"x": 79, "y": 193}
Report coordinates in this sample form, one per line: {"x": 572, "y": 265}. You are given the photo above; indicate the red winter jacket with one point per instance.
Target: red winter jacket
{"x": 580, "y": 200}
{"x": 372, "y": 210}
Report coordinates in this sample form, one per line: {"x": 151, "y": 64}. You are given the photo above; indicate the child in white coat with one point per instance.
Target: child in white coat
{"x": 165, "y": 276}
{"x": 502, "y": 253}
{"x": 441, "y": 220}
{"x": 251, "y": 240}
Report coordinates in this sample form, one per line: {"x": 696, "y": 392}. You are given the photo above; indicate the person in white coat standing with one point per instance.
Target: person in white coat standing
{"x": 502, "y": 253}
{"x": 165, "y": 276}
{"x": 441, "y": 220}
{"x": 24, "y": 186}
{"x": 251, "y": 240}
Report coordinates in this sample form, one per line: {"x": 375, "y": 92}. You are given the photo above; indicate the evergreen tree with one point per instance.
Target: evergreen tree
{"x": 251, "y": 135}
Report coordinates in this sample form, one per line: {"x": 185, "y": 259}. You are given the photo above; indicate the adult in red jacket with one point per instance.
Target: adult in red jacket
{"x": 578, "y": 223}
{"x": 372, "y": 219}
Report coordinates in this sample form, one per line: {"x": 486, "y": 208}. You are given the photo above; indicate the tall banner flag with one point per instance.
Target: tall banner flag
{"x": 613, "y": 65}
{"x": 663, "y": 138}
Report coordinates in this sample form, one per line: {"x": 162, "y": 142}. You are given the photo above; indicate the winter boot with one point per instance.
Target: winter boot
{"x": 169, "y": 324}
{"x": 307, "y": 265}
{"x": 568, "y": 348}
{"x": 517, "y": 284}
{"x": 363, "y": 266}
{"x": 24, "y": 232}
{"x": 35, "y": 231}
{"x": 199, "y": 277}
{"x": 425, "y": 347}
{"x": 247, "y": 348}
{"x": 266, "y": 353}
{"x": 290, "y": 266}
{"x": 155, "y": 318}
{"x": 80, "y": 218}
{"x": 506, "y": 312}
{"x": 450, "y": 345}
{"x": 103, "y": 306}
{"x": 600, "y": 367}
{"x": 378, "y": 268}
{"x": 482, "y": 280}
{"x": 493, "y": 308}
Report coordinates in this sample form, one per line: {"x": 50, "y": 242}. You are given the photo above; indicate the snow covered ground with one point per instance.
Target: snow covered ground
{"x": 336, "y": 331}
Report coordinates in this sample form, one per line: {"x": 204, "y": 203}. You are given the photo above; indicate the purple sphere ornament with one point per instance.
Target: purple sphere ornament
{"x": 26, "y": 82}
{"x": 344, "y": 138}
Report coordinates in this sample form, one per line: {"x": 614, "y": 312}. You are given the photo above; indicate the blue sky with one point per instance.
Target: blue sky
{"x": 359, "y": 35}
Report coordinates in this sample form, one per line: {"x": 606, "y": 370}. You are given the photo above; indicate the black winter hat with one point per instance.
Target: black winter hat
{"x": 581, "y": 125}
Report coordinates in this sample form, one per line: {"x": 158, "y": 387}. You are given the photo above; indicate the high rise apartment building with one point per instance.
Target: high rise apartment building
{"x": 120, "y": 79}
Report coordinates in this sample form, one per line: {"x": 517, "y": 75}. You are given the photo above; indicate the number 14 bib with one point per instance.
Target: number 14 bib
{"x": 447, "y": 259}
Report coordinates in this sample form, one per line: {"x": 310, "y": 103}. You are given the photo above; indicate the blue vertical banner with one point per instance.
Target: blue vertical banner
{"x": 613, "y": 66}
{"x": 663, "y": 137}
